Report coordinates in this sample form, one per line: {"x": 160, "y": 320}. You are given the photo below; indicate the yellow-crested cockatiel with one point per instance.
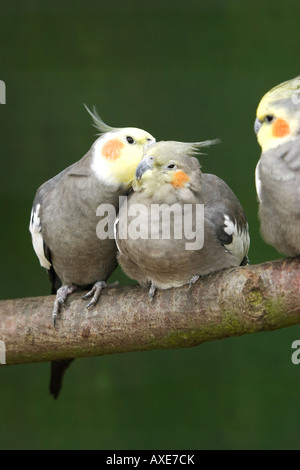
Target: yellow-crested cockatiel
{"x": 64, "y": 220}
{"x": 168, "y": 190}
{"x": 277, "y": 175}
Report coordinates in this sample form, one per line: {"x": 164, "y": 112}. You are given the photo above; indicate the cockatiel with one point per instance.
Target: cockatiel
{"x": 277, "y": 175}
{"x": 168, "y": 190}
{"x": 64, "y": 218}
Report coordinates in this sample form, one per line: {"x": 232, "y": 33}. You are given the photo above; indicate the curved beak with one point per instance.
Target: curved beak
{"x": 257, "y": 125}
{"x": 146, "y": 164}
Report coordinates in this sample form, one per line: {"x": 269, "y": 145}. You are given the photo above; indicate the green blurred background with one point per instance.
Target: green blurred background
{"x": 191, "y": 70}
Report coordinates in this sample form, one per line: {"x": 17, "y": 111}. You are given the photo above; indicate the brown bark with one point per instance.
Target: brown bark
{"x": 232, "y": 302}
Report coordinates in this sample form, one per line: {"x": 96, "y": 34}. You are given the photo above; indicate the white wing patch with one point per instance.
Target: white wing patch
{"x": 239, "y": 246}
{"x": 37, "y": 239}
{"x": 258, "y": 182}
{"x": 116, "y": 232}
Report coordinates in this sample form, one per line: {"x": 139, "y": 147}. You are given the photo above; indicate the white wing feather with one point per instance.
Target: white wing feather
{"x": 37, "y": 238}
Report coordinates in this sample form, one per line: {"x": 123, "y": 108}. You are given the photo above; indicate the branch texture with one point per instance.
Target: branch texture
{"x": 232, "y": 302}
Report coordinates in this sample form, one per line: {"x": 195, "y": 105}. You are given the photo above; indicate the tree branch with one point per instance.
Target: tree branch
{"x": 232, "y": 302}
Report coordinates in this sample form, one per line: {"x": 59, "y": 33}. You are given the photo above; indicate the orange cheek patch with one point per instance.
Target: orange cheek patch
{"x": 112, "y": 149}
{"x": 280, "y": 128}
{"x": 179, "y": 179}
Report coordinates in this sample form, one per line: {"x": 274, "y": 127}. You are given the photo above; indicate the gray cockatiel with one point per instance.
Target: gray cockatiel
{"x": 278, "y": 171}
{"x": 65, "y": 215}
{"x": 179, "y": 223}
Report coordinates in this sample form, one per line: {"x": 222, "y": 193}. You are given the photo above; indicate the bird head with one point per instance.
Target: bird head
{"x": 169, "y": 169}
{"x": 117, "y": 152}
{"x": 278, "y": 115}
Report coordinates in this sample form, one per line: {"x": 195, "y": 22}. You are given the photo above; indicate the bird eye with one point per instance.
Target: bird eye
{"x": 269, "y": 118}
{"x": 171, "y": 166}
{"x": 130, "y": 139}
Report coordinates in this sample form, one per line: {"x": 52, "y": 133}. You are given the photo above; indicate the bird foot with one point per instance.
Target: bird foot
{"x": 193, "y": 280}
{"x": 61, "y": 296}
{"x": 152, "y": 291}
{"x": 96, "y": 291}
